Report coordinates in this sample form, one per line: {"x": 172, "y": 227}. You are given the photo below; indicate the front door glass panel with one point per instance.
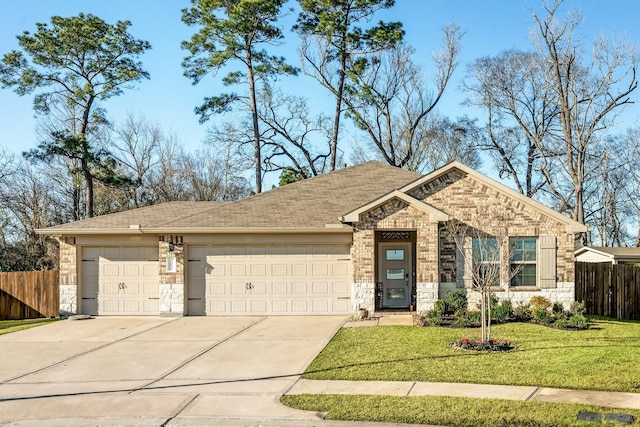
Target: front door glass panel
{"x": 395, "y": 273}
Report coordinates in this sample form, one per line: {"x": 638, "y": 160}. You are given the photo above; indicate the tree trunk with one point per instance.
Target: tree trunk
{"x": 338, "y": 113}
{"x": 254, "y": 117}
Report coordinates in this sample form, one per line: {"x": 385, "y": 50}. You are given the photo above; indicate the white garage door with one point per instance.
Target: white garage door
{"x": 120, "y": 280}
{"x": 274, "y": 280}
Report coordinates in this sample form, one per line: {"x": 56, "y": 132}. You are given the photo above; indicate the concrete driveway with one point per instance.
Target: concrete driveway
{"x": 157, "y": 371}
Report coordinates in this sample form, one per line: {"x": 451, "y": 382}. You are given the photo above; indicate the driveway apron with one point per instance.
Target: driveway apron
{"x": 157, "y": 369}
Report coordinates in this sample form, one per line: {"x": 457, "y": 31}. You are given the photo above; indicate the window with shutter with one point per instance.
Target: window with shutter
{"x": 523, "y": 261}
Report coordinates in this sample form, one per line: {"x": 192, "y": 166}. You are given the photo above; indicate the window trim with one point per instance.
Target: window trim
{"x": 524, "y": 262}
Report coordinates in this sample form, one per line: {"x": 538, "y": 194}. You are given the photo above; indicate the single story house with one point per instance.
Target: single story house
{"x": 369, "y": 236}
{"x": 608, "y": 255}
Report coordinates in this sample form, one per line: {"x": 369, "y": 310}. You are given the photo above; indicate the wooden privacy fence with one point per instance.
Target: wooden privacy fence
{"x": 609, "y": 290}
{"x": 29, "y": 295}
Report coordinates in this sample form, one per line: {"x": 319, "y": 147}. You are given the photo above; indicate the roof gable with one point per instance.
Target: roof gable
{"x": 572, "y": 226}
{"x": 435, "y": 215}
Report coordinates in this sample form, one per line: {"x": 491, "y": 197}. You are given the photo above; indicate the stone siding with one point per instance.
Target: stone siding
{"x": 426, "y": 295}
{"x": 68, "y": 300}
{"x": 68, "y": 282}
{"x": 171, "y": 299}
{"x": 363, "y": 295}
{"x": 172, "y": 284}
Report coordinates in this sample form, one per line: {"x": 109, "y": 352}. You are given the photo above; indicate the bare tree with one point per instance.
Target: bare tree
{"x": 513, "y": 85}
{"x": 388, "y": 100}
{"x": 590, "y": 93}
{"x": 485, "y": 256}
{"x": 293, "y": 139}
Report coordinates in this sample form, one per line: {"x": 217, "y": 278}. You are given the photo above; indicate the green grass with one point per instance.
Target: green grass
{"x": 8, "y": 326}
{"x": 449, "y": 411}
{"x": 601, "y": 358}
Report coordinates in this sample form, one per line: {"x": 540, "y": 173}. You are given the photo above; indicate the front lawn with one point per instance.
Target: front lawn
{"x": 8, "y": 326}
{"x": 603, "y": 357}
{"x": 449, "y": 411}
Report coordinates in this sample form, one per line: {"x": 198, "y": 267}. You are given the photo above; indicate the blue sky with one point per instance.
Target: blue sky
{"x": 169, "y": 98}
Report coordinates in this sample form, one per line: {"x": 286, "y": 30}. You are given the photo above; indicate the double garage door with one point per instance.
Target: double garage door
{"x": 221, "y": 280}
{"x": 120, "y": 281}
{"x": 276, "y": 280}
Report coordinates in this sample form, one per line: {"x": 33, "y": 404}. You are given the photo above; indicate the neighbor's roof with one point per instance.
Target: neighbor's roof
{"x": 314, "y": 203}
{"x": 613, "y": 253}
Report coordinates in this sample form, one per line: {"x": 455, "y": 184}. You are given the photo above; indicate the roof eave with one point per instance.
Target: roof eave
{"x": 328, "y": 228}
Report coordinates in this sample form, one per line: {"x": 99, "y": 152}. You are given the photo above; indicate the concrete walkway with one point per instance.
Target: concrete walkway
{"x": 479, "y": 391}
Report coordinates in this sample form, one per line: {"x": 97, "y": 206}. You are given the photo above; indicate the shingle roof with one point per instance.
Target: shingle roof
{"x": 310, "y": 203}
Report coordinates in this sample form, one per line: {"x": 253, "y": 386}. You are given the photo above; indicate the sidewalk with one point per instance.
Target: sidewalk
{"x": 412, "y": 388}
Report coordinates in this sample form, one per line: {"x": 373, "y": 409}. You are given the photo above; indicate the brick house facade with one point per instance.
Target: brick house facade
{"x": 462, "y": 195}
{"x": 369, "y": 236}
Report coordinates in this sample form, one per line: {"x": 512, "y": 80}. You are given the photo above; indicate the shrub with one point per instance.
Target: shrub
{"x": 558, "y": 309}
{"x": 467, "y": 319}
{"x": 539, "y": 303}
{"x": 432, "y": 317}
{"x": 440, "y": 306}
{"x": 503, "y": 311}
{"x": 578, "y": 307}
{"x": 578, "y": 321}
{"x": 522, "y": 313}
{"x": 542, "y": 317}
{"x": 456, "y": 300}
{"x": 561, "y": 323}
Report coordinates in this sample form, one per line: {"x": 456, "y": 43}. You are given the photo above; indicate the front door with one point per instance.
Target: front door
{"x": 395, "y": 273}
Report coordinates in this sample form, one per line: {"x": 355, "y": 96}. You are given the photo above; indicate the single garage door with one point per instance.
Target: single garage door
{"x": 276, "y": 280}
{"x": 120, "y": 280}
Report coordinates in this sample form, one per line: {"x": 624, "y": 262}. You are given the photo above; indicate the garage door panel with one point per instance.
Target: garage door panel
{"x": 217, "y": 270}
{"x": 217, "y": 307}
{"x": 131, "y": 270}
{"x": 320, "y": 306}
{"x": 120, "y": 280}
{"x": 257, "y": 288}
{"x": 239, "y": 306}
{"x": 299, "y": 270}
{"x": 258, "y": 270}
{"x": 258, "y": 306}
{"x": 238, "y": 270}
{"x": 299, "y": 288}
{"x": 131, "y": 288}
{"x": 320, "y": 270}
{"x": 279, "y": 288}
{"x": 150, "y": 269}
{"x": 110, "y": 288}
{"x": 321, "y": 288}
{"x": 238, "y": 288}
{"x": 340, "y": 288}
{"x": 109, "y": 270}
{"x": 151, "y": 306}
{"x": 217, "y": 288}
{"x": 279, "y": 269}
{"x": 340, "y": 269}
{"x": 273, "y": 280}
{"x": 299, "y": 306}
{"x": 341, "y": 305}
{"x": 150, "y": 288}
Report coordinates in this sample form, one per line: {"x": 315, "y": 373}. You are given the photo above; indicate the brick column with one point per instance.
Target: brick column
{"x": 172, "y": 284}
{"x": 68, "y": 284}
